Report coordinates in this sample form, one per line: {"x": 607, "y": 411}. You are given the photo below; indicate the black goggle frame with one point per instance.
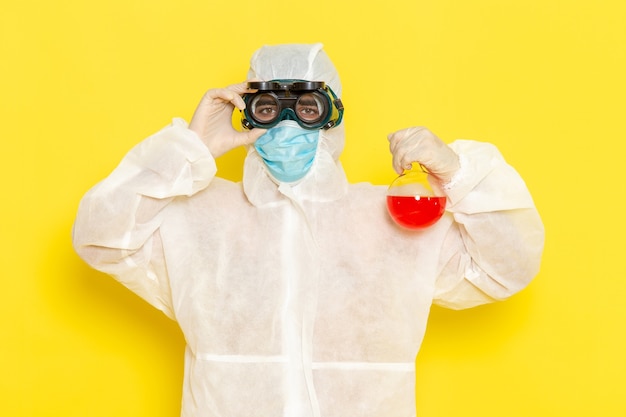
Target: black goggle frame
{"x": 285, "y": 95}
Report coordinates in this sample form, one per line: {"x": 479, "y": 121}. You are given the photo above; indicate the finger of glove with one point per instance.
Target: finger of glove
{"x": 405, "y": 146}
{"x": 226, "y": 95}
{"x": 214, "y": 108}
{"x": 403, "y": 159}
{"x": 234, "y": 140}
{"x": 227, "y": 139}
{"x": 404, "y": 137}
{"x": 251, "y": 136}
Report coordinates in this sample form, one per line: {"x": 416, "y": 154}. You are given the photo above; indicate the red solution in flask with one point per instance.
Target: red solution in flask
{"x": 415, "y": 212}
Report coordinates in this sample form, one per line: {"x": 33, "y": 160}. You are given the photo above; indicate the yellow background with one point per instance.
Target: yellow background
{"x": 82, "y": 81}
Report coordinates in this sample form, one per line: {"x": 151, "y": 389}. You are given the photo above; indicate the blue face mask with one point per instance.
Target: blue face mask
{"x": 288, "y": 150}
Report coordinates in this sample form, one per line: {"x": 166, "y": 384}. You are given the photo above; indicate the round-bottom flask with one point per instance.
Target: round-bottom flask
{"x": 411, "y": 201}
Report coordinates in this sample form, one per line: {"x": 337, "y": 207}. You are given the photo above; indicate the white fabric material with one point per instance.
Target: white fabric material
{"x": 301, "y": 300}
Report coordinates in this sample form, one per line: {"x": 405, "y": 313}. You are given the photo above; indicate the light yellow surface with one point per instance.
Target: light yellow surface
{"x": 82, "y": 81}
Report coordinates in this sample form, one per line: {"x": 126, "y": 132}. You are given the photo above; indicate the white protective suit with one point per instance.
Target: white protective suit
{"x": 301, "y": 300}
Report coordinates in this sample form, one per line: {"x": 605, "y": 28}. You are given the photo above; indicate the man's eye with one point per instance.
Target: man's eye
{"x": 308, "y": 113}
{"x": 267, "y": 110}
{"x": 265, "y": 113}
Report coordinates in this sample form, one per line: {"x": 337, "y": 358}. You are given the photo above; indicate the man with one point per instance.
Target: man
{"x": 296, "y": 293}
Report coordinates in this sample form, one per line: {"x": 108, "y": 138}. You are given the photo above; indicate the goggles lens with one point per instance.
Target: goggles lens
{"x": 311, "y": 104}
{"x": 266, "y": 108}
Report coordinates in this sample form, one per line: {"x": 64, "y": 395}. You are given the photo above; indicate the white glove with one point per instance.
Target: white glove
{"x": 418, "y": 144}
{"x": 212, "y": 120}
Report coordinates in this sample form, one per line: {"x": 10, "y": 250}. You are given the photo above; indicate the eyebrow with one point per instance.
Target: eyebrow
{"x": 308, "y": 102}
{"x": 265, "y": 102}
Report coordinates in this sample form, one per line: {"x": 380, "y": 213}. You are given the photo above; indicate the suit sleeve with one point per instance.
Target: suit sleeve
{"x": 116, "y": 229}
{"x": 494, "y": 245}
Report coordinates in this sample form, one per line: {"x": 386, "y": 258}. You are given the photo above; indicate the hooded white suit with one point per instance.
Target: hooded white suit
{"x": 302, "y": 300}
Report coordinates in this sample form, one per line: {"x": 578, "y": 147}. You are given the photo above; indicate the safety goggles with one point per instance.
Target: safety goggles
{"x": 312, "y": 104}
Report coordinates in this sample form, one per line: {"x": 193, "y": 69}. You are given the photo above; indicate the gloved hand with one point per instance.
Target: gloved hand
{"x": 212, "y": 120}
{"x": 418, "y": 144}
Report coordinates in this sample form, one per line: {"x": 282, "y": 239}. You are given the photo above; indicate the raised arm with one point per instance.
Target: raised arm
{"x": 117, "y": 226}
{"x": 494, "y": 245}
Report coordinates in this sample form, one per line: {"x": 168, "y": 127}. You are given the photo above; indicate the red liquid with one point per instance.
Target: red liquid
{"x": 416, "y": 212}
